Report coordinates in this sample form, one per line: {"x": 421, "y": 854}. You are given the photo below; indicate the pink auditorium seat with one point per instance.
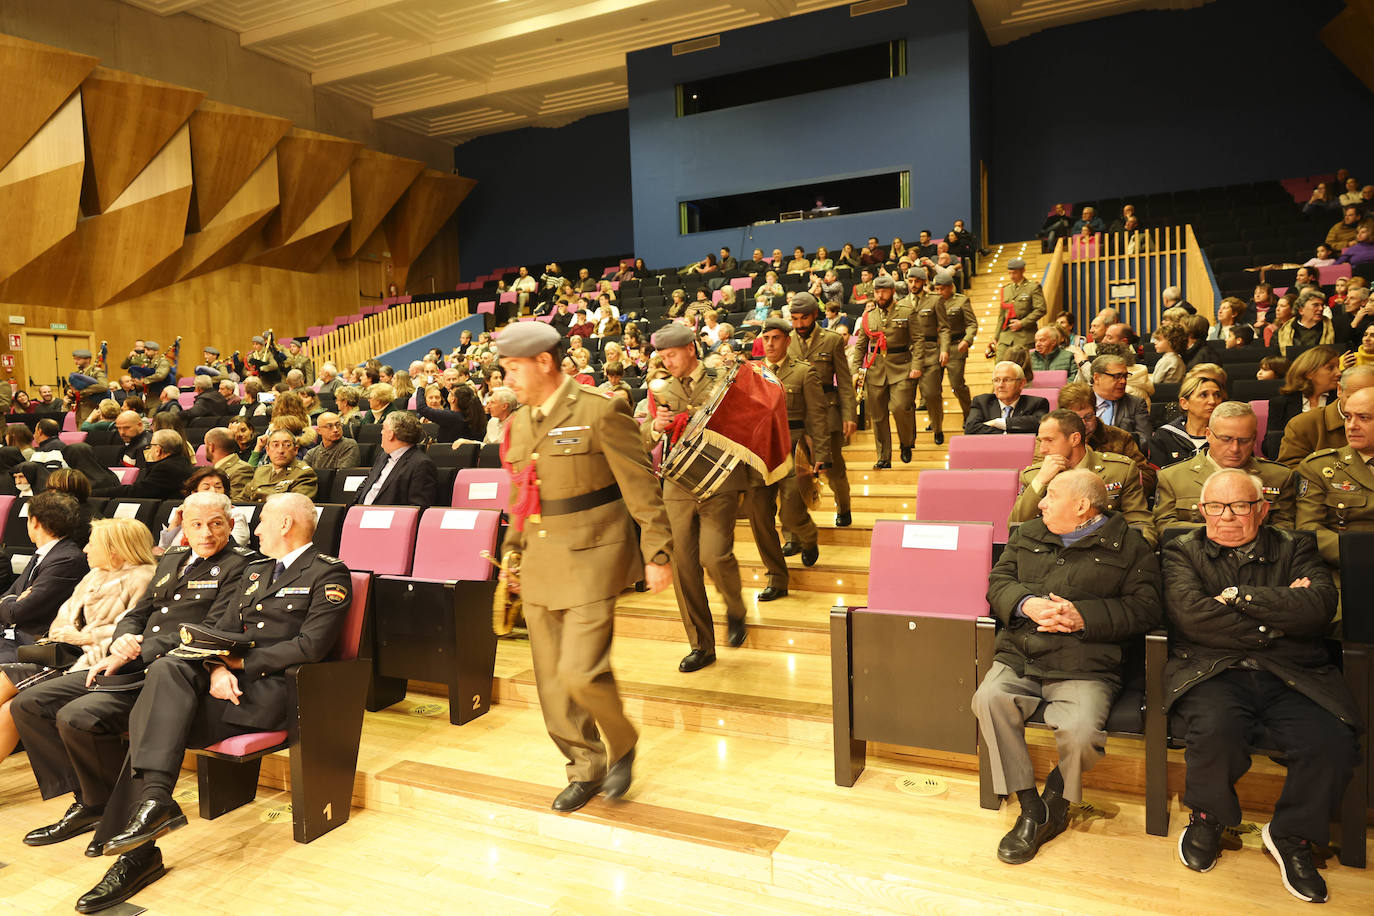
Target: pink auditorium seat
{"x": 185, "y": 383}
{"x": 742, "y": 282}
{"x": 482, "y": 488}
{"x": 608, "y": 271}
{"x": 1016, "y": 450}
{"x": 1261, "y": 409}
{"x": 983, "y": 495}
{"x": 1333, "y": 272}
{"x": 6, "y": 503}
{"x": 201, "y": 460}
{"x": 70, "y": 436}
{"x": 186, "y": 399}
{"x": 615, "y": 286}
{"x": 508, "y": 296}
{"x": 450, "y": 542}
{"x": 69, "y": 422}
{"x": 486, "y": 308}
{"x": 379, "y": 539}
{"x": 949, "y": 561}
{"x": 315, "y": 330}
{"x": 1051, "y": 378}
{"x": 1049, "y": 394}
{"x": 126, "y": 475}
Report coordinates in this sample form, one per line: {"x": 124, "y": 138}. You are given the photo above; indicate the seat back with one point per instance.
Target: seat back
{"x": 145, "y": 510}
{"x": 186, "y": 399}
{"x": 16, "y": 533}
{"x": 69, "y": 423}
{"x": 379, "y": 539}
{"x": 1049, "y": 394}
{"x": 6, "y": 504}
{"x": 347, "y": 481}
{"x": 1261, "y": 409}
{"x": 126, "y": 474}
{"x": 481, "y": 488}
{"x": 351, "y": 636}
{"x": 201, "y": 460}
{"x": 1051, "y": 378}
{"x": 70, "y": 437}
{"x": 450, "y": 542}
{"x": 984, "y": 495}
{"x": 936, "y": 569}
{"x": 1357, "y": 580}
{"x": 1015, "y": 450}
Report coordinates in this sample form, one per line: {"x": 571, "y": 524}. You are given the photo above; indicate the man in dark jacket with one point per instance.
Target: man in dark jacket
{"x": 1072, "y": 586}
{"x": 1006, "y": 410}
{"x": 403, "y": 474}
{"x": 1249, "y": 605}
{"x": 165, "y": 470}
{"x": 29, "y": 606}
{"x": 209, "y": 402}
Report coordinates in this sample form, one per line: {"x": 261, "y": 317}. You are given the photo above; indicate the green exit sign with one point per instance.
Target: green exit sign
{"x": 56, "y": 326}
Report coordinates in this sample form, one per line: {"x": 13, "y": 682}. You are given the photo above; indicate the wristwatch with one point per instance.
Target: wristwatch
{"x": 1229, "y": 595}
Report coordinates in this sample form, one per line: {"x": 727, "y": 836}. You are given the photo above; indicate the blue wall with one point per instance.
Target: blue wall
{"x": 920, "y": 122}
{"x": 546, "y": 193}
{"x": 1233, "y": 91}
{"x": 445, "y": 339}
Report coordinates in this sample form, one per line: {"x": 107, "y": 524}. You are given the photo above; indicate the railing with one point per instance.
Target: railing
{"x": 362, "y": 340}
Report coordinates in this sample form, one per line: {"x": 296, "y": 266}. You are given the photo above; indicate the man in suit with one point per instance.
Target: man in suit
{"x": 31, "y": 602}
{"x": 580, "y": 450}
{"x": 1005, "y": 410}
{"x": 165, "y": 469}
{"x": 1315, "y": 430}
{"x": 825, "y": 351}
{"x": 47, "y": 444}
{"x": 403, "y": 475}
{"x": 1023, "y": 304}
{"x": 135, "y": 439}
{"x": 223, "y": 454}
{"x": 882, "y": 357}
{"x": 73, "y": 734}
{"x": 208, "y": 403}
{"x": 1113, "y": 405}
{"x": 282, "y": 472}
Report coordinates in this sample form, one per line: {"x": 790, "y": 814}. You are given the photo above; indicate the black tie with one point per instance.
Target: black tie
{"x": 277, "y": 571}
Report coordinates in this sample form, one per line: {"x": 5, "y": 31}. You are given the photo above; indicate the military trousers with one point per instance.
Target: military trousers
{"x": 703, "y": 541}
{"x": 900, "y": 400}
{"x": 765, "y": 503}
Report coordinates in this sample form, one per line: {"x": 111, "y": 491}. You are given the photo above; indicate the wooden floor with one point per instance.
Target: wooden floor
{"x": 734, "y": 809}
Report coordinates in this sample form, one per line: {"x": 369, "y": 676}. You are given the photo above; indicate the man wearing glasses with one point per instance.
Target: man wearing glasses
{"x": 1231, "y": 436}
{"x": 1113, "y": 405}
{"x": 334, "y": 450}
{"x": 1336, "y": 485}
{"x": 1249, "y": 606}
{"x": 1006, "y": 410}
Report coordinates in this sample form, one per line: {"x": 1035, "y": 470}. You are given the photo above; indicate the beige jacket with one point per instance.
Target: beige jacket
{"x": 96, "y": 604}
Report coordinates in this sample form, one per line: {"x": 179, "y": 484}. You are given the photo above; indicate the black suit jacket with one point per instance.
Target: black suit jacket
{"x": 413, "y": 482}
{"x": 1133, "y": 415}
{"x": 1025, "y": 416}
{"x": 208, "y": 404}
{"x": 161, "y": 479}
{"x": 32, "y": 600}
{"x": 132, "y": 453}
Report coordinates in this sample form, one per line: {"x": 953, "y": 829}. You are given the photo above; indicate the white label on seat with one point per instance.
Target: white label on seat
{"x": 376, "y": 518}
{"x": 485, "y": 490}
{"x": 464, "y": 519}
{"x": 19, "y": 562}
{"x": 319, "y": 510}
{"x": 351, "y": 484}
{"x": 24, "y": 511}
{"x": 930, "y": 537}
{"x": 126, "y": 510}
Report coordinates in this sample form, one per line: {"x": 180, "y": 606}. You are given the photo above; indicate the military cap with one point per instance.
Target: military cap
{"x": 211, "y": 350}
{"x": 776, "y": 324}
{"x": 883, "y": 281}
{"x": 943, "y": 278}
{"x": 672, "y": 335}
{"x": 82, "y": 354}
{"x": 1016, "y": 264}
{"x": 151, "y": 345}
{"x": 917, "y": 273}
{"x": 802, "y": 304}
{"x": 200, "y": 641}
{"x": 258, "y": 338}
{"x": 525, "y": 339}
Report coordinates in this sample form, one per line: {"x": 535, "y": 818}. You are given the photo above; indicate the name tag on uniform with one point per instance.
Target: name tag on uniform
{"x": 203, "y": 583}
{"x": 568, "y": 429}
{"x": 571, "y": 440}
{"x": 293, "y": 590}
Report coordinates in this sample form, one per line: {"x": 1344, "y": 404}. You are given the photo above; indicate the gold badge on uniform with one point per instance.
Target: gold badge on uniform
{"x": 335, "y": 594}
{"x": 1328, "y": 472}
{"x": 163, "y": 581}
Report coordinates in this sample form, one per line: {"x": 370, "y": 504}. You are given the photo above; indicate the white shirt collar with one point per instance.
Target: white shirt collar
{"x": 43, "y": 551}
{"x": 294, "y": 555}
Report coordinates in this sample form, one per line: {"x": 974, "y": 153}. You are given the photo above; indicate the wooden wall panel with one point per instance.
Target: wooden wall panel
{"x": 309, "y": 166}
{"x": 234, "y": 234}
{"x": 228, "y": 145}
{"x": 42, "y": 182}
{"x": 39, "y": 79}
{"x": 128, "y": 120}
{"x": 312, "y": 242}
{"x": 378, "y": 181}
{"x": 423, "y": 209}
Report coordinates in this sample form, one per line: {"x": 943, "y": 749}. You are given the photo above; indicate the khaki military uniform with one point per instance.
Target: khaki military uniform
{"x": 1180, "y": 488}
{"x": 88, "y": 398}
{"x": 595, "y": 483}
{"x": 806, "y": 416}
{"x": 703, "y": 531}
{"x": 1027, "y": 301}
{"x": 302, "y": 362}
{"x": 887, "y": 381}
{"x": 161, "y": 375}
{"x": 929, "y": 330}
{"x": 240, "y": 474}
{"x": 1335, "y": 494}
{"x": 862, "y": 292}
{"x": 1108, "y": 438}
{"x": 824, "y": 350}
{"x": 959, "y": 324}
{"x": 265, "y": 363}
{"x": 1124, "y": 494}
{"x": 296, "y": 477}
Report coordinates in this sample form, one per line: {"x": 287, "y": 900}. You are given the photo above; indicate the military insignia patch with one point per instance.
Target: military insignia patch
{"x": 252, "y": 588}
{"x": 253, "y": 577}
{"x": 1302, "y": 486}
{"x": 1328, "y": 472}
{"x": 163, "y": 581}
{"x": 335, "y": 594}
{"x": 1344, "y": 486}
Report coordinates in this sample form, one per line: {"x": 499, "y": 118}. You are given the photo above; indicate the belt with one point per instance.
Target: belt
{"x": 901, "y": 349}
{"x": 932, "y": 338}
{"x": 580, "y": 503}
{"x": 798, "y": 424}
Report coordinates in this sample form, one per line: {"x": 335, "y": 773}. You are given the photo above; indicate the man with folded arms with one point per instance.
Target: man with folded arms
{"x": 1249, "y": 606}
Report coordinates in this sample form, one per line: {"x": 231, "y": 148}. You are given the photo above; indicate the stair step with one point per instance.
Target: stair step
{"x": 798, "y": 622}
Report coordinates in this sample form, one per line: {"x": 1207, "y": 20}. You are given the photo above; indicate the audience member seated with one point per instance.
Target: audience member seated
{"x": 585, "y": 283}
{"x": 847, "y": 258}
{"x": 30, "y": 478}
{"x": 1324, "y": 257}
{"x": 799, "y": 264}
{"x": 1249, "y": 606}
{"x": 1309, "y": 386}
{"x": 1168, "y": 340}
{"x": 461, "y": 417}
{"x": 19, "y": 437}
{"x": 706, "y": 265}
{"x": 1336, "y": 485}
{"x": 1261, "y": 302}
{"x": 1113, "y": 405}
{"x": 81, "y": 457}
{"x": 1060, "y": 444}
{"x": 381, "y": 400}
{"x": 756, "y": 266}
{"x": 208, "y": 403}
{"x": 1322, "y": 202}
{"x": 47, "y": 446}
{"x": 872, "y": 254}
{"x": 1199, "y": 349}
{"x": 1343, "y": 233}
{"x": 205, "y": 480}
{"x": 282, "y": 472}
{"x": 1006, "y": 410}
{"x": 165, "y": 468}
{"x": 168, "y": 400}
{"x": 1306, "y": 282}
{"x": 28, "y": 607}
{"x": 403, "y": 474}
{"x": 1271, "y": 367}
{"x": 1071, "y": 588}
{"x": 502, "y": 403}
{"x": 1172, "y": 297}
{"x": 102, "y": 417}
{"x": 822, "y": 261}
{"x": 1078, "y": 397}
{"x": 1090, "y": 220}
{"x": 76, "y": 485}
{"x": 1282, "y": 314}
{"x": 1231, "y": 435}
{"x": 1228, "y": 316}
{"x": 336, "y": 450}
{"x": 1183, "y": 437}
{"x": 1353, "y": 318}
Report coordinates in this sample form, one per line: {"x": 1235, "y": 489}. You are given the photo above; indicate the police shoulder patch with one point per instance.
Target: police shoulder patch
{"x": 335, "y": 594}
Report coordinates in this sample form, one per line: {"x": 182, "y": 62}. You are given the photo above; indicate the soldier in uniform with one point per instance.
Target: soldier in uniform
{"x": 582, "y": 479}
{"x": 703, "y": 530}
{"x": 295, "y": 604}
{"x": 74, "y": 735}
{"x": 959, "y": 326}
{"x": 89, "y": 382}
{"x": 213, "y": 366}
{"x": 262, "y": 362}
{"x": 1023, "y": 304}
{"x": 882, "y": 357}
{"x": 1231, "y": 435}
{"x": 137, "y": 359}
{"x": 1060, "y": 443}
{"x": 928, "y": 333}
{"x": 1336, "y": 485}
{"x": 806, "y": 416}
{"x": 296, "y": 359}
{"x": 824, "y": 350}
{"x": 281, "y": 472}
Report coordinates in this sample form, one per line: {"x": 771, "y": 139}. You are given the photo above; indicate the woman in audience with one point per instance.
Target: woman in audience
{"x": 81, "y": 457}
{"x": 1283, "y": 313}
{"x": 1199, "y": 349}
{"x": 677, "y": 303}
{"x": 604, "y": 289}
{"x": 1364, "y": 356}
{"x": 799, "y": 264}
{"x": 381, "y": 400}
{"x": 75, "y": 485}
{"x": 606, "y": 323}
{"x": 452, "y": 424}
{"x": 764, "y": 296}
{"x": 1182, "y": 438}
{"x": 290, "y": 405}
{"x": 727, "y": 298}
{"x": 1261, "y": 302}
{"x": 1360, "y": 251}
{"x": 102, "y": 417}
{"x": 1271, "y": 367}
{"x": 174, "y": 422}
{"x": 1168, "y": 341}
{"x": 1085, "y": 243}
{"x": 464, "y": 401}
{"x": 205, "y": 480}
{"x": 252, "y": 396}
{"x": 822, "y": 262}
{"x": 404, "y": 387}
{"x": 19, "y": 437}
{"x": 897, "y": 250}
{"x": 1310, "y": 328}
{"x": 347, "y": 400}
{"x": 848, "y": 258}
{"x": 244, "y": 437}
{"x": 22, "y": 403}
{"x": 1228, "y": 314}
{"x": 120, "y": 554}
{"x": 1322, "y": 202}
{"x": 30, "y": 478}
{"x": 1309, "y": 385}
{"x": 570, "y": 369}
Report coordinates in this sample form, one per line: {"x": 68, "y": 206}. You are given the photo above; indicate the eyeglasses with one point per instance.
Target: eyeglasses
{"x": 1116, "y": 376}
{"x": 1242, "y": 507}
{"x": 1005, "y": 380}
{"x": 1234, "y": 440}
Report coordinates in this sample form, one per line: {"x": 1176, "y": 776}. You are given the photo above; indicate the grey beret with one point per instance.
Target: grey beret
{"x": 1016, "y": 264}
{"x": 151, "y": 345}
{"x": 673, "y": 335}
{"x": 883, "y": 281}
{"x": 258, "y": 338}
{"x": 776, "y": 324}
{"x": 917, "y": 273}
{"x": 524, "y": 339}
{"x": 83, "y": 354}
{"x": 211, "y": 350}
{"x": 943, "y": 278}
{"x": 802, "y": 304}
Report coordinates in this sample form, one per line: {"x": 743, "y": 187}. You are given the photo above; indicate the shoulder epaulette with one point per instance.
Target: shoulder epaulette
{"x": 330, "y": 559}
{"x": 1322, "y": 452}
{"x": 1113, "y": 456}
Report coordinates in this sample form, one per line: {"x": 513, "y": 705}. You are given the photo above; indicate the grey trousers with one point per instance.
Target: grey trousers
{"x": 1077, "y": 712}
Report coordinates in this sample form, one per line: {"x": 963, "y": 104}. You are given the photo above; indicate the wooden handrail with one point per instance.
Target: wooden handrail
{"x": 385, "y": 331}
{"x": 1200, "y": 291}
{"x": 1053, "y": 281}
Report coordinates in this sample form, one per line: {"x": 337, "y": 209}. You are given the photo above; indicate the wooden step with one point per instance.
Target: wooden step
{"x": 858, "y": 534}
{"x": 798, "y": 622}
{"x": 842, "y": 569}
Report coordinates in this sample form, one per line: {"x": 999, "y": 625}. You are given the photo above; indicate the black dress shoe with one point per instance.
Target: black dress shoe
{"x": 1200, "y": 844}
{"x": 696, "y": 660}
{"x": 791, "y": 549}
{"x": 843, "y": 520}
{"x": 1024, "y": 840}
{"x": 906, "y": 454}
{"x": 95, "y": 849}
{"x": 617, "y": 781}
{"x": 576, "y": 795}
{"x": 772, "y": 593}
{"x": 151, "y": 820}
{"x": 881, "y": 465}
{"x": 810, "y": 555}
{"x": 1296, "y": 868}
{"x": 79, "y": 819}
{"x": 129, "y": 875}
{"x": 939, "y": 438}
{"x": 735, "y": 633}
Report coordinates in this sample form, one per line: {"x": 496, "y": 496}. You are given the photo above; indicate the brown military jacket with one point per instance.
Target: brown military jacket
{"x": 1335, "y": 494}
{"x": 1029, "y": 306}
{"x": 894, "y": 322}
{"x": 824, "y": 350}
{"x": 807, "y": 407}
{"x": 1180, "y": 488}
{"x": 161, "y": 372}
{"x": 584, "y": 447}
{"x": 674, "y": 397}
{"x": 1311, "y": 432}
{"x": 240, "y": 474}
{"x": 1124, "y": 493}
{"x": 957, "y": 322}
{"x": 296, "y": 477}
{"x": 1108, "y": 438}
{"x": 926, "y": 327}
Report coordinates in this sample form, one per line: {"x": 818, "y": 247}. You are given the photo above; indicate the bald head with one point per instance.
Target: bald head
{"x": 129, "y": 425}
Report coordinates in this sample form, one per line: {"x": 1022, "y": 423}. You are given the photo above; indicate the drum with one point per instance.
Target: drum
{"x": 695, "y": 463}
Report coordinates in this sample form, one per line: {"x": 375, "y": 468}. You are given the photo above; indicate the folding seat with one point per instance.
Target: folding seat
{"x": 344, "y": 489}
{"x": 126, "y": 474}
{"x": 1253, "y": 389}
{"x": 103, "y": 437}
{"x": 490, "y": 455}
{"x": 1166, "y": 392}
{"x": 369, "y": 432}
{"x": 107, "y": 454}
{"x": 69, "y": 422}
{"x": 1261, "y": 409}
{"x": 324, "y": 480}
{"x": 68, "y": 437}
{"x": 1051, "y": 378}
{"x": 145, "y": 510}
{"x": 482, "y": 488}
{"x": 982, "y": 495}
{"x": 1016, "y": 450}
{"x": 1329, "y": 275}
{"x": 1049, "y": 394}
{"x": 444, "y": 455}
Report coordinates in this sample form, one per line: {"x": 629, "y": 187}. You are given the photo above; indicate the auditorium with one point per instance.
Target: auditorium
{"x": 895, "y": 456}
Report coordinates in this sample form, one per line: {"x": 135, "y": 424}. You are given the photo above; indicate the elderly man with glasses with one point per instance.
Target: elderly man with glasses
{"x": 1249, "y": 605}
{"x": 1006, "y": 410}
{"x": 1113, "y": 405}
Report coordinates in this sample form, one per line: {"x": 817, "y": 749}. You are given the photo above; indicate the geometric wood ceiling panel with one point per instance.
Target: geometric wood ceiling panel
{"x": 48, "y": 76}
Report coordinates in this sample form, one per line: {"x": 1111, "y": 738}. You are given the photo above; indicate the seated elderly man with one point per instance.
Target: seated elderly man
{"x": 329, "y": 379}
{"x": 1113, "y": 405}
{"x": 1069, "y": 590}
{"x": 1061, "y": 443}
{"x": 166, "y": 467}
{"x": 335, "y": 449}
{"x": 1050, "y": 354}
{"x": 208, "y": 402}
{"x": 168, "y": 401}
{"x": 1249, "y": 605}
{"x": 1315, "y": 430}
{"x": 1231, "y": 435}
{"x": 28, "y": 607}
{"x": 1006, "y": 410}
{"x": 502, "y": 403}
{"x": 282, "y": 472}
